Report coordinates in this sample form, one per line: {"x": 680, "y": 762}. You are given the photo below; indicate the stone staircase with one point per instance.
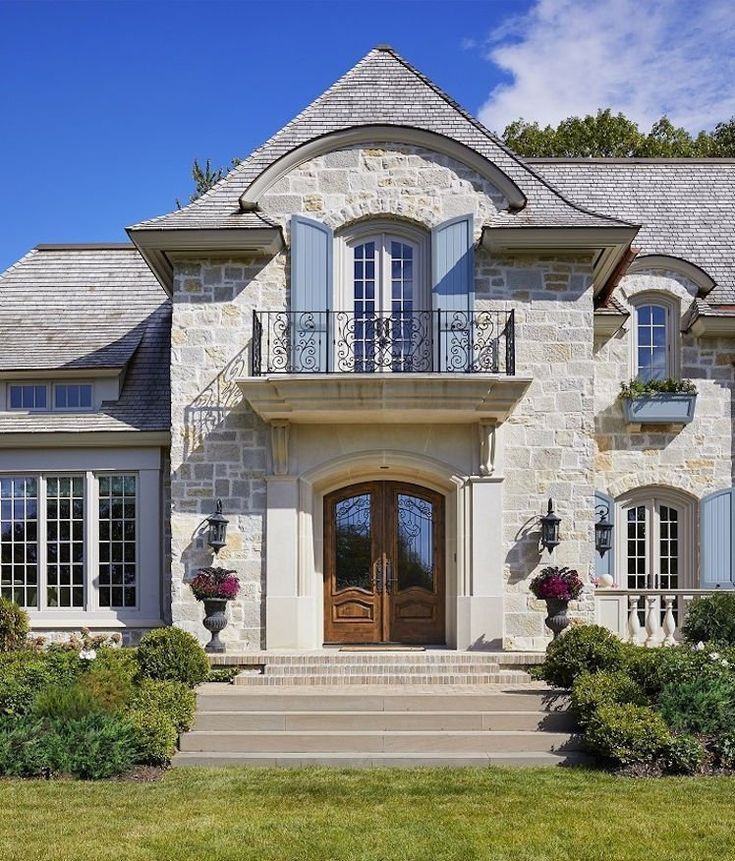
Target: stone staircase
{"x": 410, "y": 709}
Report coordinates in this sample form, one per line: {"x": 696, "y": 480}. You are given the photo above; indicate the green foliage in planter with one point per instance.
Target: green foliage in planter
{"x": 640, "y": 389}
{"x": 223, "y": 674}
{"x": 627, "y": 734}
{"x": 581, "y": 648}
{"x": 612, "y": 687}
{"x": 174, "y": 699}
{"x": 685, "y": 754}
{"x": 14, "y": 626}
{"x": 94, "y": 747}
{"x": 702, "y": 705}
{"x": 174, "y": 655}
{"x": 711, "y": 619}
{"x": 23, "y": 674}
{"x": 155, "y": 736}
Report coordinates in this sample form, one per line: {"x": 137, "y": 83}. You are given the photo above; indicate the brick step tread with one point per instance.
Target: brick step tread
{"x": 311, "y": 660}
{"x": 429, "y": 656}
{"x": 380, "y": 679}
{"x": 383, "y": 720}
{"x": 377, "y": 669}
{"x": 515, "y": 759}
{"x": 389, "y": 741}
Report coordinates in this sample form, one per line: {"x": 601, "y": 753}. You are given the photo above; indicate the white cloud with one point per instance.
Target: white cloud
{"x": 642, "y": 57}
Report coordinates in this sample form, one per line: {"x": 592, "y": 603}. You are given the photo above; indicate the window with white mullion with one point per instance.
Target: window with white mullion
{"x": 65, "y": 542}
{"x": 117, "y": 526}
{"x": 19, "y": 540}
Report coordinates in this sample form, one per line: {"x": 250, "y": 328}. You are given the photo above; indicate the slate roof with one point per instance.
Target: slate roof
{"x": 382, "y": 89}
{"x": 88, "y": 307}
{"x": 686, "y": 207}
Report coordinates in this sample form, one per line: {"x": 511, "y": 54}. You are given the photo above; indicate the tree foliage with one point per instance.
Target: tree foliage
{"x": 206, "y": 177}
{"x": 609, "y": 135}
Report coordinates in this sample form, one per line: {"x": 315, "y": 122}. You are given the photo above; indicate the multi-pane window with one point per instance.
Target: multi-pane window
{"x": 19, "y": 540}
{"x": 70, "y": 542}
{"x": 117, "y": 541}
{"x": 27, "y": 397}
{"x": 73, "y": 396}
{"x": 653, "y": 347}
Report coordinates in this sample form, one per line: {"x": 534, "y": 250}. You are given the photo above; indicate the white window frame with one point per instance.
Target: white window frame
{"x": 25, "y": 383}
{"x": 650, "y": 498}
{"x": 50, "y": 386}
{"x": 80, "y": 409}
{"x": 382, "y": 231}
{"x": 670, "y": 305}
{"x": 146, "y": 466}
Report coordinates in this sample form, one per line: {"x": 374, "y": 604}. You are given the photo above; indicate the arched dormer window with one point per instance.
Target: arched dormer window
{"x": 655, "y": 352}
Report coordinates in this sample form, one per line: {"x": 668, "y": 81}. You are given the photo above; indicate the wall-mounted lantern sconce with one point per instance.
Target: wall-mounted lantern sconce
{"x": 217, "y": 532}
{"x": 550, "y": 528}
{"x": 603, "y": 530}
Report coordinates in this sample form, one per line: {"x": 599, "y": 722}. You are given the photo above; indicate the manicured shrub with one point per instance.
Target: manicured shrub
{"x": 174, "y": 655}
{"x": 223, "y": 674}
{"x": 582, "y": 648}
{"x": 609, "y": 687}
{"x": 65, "y": 703}
{"x": 98, "y": 745}
{"x": 711, "y": 619}
{"x": 14, "y": 626}
{"x": 23, "y": 674}
{"x": 685, "y": 754}
{"x": 703, "y": 705}
{"x": 627, "y": 734}
{"x": 174, "y": 699}
{"x": 110, "y": 678}
{"x": 26, "y": 750}
{"x": 155, "y": 736}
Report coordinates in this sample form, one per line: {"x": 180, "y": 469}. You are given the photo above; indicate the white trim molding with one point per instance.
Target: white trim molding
{"x": 668, "y": 263}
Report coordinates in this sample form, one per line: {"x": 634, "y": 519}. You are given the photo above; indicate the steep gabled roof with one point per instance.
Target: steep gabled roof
{"x": 87, "y": 308}
{"x": 382, "y": 89}
{"x": 686, "y": 207}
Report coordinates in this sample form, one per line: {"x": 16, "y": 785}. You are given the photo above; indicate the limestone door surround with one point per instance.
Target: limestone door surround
{"x": 311, "y": 460}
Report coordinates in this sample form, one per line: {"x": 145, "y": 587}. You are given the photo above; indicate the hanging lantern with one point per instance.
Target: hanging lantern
{"x": 217, "y": 532}
{"x": 550, "y": 528}
{"x": 603, "y": 530}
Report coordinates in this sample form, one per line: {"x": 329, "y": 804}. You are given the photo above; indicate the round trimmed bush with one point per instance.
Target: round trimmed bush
{"x": 627, "y": 734}
{"x": 589, "y": 648}
{"x": 14, "y": 626}
{"x": 173, "y": 655}
{"x": 609, "y": 687}
{"x": 711, "y": 619}
{"x": 24, "y": 674}
{"x": 174, "y": 699}
{"x": 684, "y": 755}
{"x": 155, "y": 736}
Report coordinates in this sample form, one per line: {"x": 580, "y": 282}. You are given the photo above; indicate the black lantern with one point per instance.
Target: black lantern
{"x": 603, "y": 530}
{"x": 217, "y": 535}
{"x": 550, "y": 528}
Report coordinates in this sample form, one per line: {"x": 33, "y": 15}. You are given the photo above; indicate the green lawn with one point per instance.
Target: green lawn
{"x": 437, "y": 815}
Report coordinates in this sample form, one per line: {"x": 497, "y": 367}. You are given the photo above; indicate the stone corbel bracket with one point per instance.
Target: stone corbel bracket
{"x": 279, "y": 446}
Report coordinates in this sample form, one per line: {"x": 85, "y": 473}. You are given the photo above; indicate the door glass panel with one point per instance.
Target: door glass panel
{"x": 669, "y": 547}
{"x": 353, "y": 531}
{"x": 415, "y": 541}
{"x": 401, "y": 256}
{"x": 364, "y": 285}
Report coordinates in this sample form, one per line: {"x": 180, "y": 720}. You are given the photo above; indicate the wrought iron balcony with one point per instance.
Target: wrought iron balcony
{"x": 418, "y": 342}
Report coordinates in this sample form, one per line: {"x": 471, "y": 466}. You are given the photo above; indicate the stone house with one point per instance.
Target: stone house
{"x": 384, "y": 342}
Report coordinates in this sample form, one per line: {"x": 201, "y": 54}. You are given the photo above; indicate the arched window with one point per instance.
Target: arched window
{"x": 655, "y": 337}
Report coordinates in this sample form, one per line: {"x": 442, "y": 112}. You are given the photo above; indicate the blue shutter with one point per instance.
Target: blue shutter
{"x": 311, "y": 293}
{"x": 606, "y": 564}
{"x": 717, "y": 540}
{"x": 452, "y": 277}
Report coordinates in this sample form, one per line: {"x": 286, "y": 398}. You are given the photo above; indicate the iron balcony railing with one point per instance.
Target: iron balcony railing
{"x": 326, "y": 342}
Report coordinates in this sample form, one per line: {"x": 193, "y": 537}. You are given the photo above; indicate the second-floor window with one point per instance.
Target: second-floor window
{"x": 654, "y": 346}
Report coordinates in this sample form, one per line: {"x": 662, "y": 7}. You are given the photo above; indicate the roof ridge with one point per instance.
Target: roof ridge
{"x": 626, "y": 161}
{"x": 85, "y": 246}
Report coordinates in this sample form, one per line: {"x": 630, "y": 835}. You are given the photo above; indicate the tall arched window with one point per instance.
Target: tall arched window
{"x": 383, "y": 298}
{"x": 655, "y": 337}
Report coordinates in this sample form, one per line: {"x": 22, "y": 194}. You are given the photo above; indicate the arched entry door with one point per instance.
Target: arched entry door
{"x": 384, "y": 564}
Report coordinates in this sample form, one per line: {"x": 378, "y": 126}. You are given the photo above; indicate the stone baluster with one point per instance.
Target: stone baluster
{"x": 669, "y": 621}
{"x": 634, "y": 622}
{"x": 652, "y": 620}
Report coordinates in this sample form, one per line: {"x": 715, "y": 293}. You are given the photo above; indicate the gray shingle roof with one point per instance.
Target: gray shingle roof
{"x": 686, "y": 207}
{"x": 382, "y": 89}
{"x": 88, "y": 307}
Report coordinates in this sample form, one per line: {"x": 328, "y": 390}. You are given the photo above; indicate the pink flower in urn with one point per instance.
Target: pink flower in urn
{"x": 215, "y": 583}
{"x": 557, "y": 584}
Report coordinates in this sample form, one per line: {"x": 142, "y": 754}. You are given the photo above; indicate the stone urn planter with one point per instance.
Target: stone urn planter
{"x": 215, "y": 620}
{"x": 214, "y": 587}
{"x": 557, "y": 586}
{"x": 556, "y": 616}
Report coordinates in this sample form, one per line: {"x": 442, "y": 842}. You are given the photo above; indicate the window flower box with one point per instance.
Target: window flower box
{"x": 659, "y": 402}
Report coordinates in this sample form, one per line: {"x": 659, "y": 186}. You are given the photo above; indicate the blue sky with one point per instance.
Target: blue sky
{"x": 104, "y": 105}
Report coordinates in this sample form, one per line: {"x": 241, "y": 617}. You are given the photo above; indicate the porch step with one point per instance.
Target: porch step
{"x": 390, "y": 676}
{"x": 380, "y": 727}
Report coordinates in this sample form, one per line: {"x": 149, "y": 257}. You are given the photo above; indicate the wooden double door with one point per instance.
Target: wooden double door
{"x": 384, "y": 564}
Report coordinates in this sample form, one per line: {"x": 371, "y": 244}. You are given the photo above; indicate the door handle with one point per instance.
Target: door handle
{"x": 378, "y": 583}
{"x": 388, "y": 577}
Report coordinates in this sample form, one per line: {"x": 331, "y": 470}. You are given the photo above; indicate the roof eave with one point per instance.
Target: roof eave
{"x": 157, "y": 246}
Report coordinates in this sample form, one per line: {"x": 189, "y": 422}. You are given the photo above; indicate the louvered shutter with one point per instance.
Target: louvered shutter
{"x": 311, "y": 293}
{"x": 453, "y": 271}
{"x": 717, "y": 539}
